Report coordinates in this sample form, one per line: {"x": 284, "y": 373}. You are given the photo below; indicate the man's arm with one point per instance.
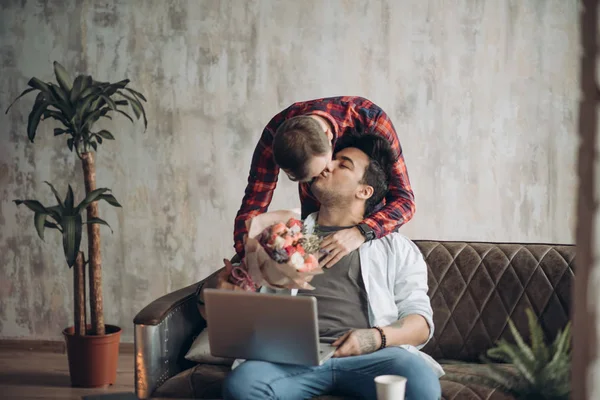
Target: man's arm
{"x": 216, "y": 281}
{"x": 400, "y": 203}
{"x": 262, "y": 181}
{"x": 412, "y": 330}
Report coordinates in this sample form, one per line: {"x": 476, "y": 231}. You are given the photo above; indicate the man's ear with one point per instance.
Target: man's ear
{"x": 365, "y": 192}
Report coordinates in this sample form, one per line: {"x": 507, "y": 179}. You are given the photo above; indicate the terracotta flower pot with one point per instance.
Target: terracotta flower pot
{"x": 93, "y": 359}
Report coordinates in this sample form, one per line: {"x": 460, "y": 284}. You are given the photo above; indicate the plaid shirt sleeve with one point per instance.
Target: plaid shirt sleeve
{"x": 262, "y": 181}
{"x": 399, "y": 202}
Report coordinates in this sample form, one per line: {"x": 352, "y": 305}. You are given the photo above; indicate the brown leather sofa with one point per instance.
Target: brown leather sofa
{"x": 474, "y": 289}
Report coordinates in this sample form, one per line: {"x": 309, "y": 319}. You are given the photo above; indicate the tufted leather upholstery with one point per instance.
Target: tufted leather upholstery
{"x": 474, "y": 289}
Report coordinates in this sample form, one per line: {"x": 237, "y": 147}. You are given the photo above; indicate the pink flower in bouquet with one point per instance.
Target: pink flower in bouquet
{"x": 284, "y": 244}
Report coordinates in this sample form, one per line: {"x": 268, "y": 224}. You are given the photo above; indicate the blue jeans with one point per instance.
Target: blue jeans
{"x": 346, "y": 376}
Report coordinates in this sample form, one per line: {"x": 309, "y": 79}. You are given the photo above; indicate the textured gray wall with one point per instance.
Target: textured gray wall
{"x": 483, "y": 95}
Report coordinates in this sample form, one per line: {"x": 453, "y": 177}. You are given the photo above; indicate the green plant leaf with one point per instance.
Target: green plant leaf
{"x": 98, "y": 138}
{"x": 52, "y": 225}
{"x": 40, "y": 221}
{"x": 510, "y": 382}
{"x": 59, "y": 131}
{"x": 523, "y": 347}
{"x": 91, "y": 197}
{"x": 94, "y": 145}
{"x": 72, "y": 228}
{"x": 563, "y": 343}
{"x": 28, "y": 90}
{"x": 34, "y": 118}
{"x": 33, "y": 205}
{"x": 39, "y": 85}
{"x": 538, "y": 345}
{"x": 62, "y": 77}
{"x": 136, "y": 94}
{"x": 70, "y": 144}
{"x": 77, "y": 89}
{"x": 110, "y": 199}
{"x": 99, "y": 221}
{"x": 125, "y": 114}
{"x": 56, "y": 212}
{"x": 90, "y": 89}
{"x": 83, "y": 108}
{"x": 56, "y": 196}
{"x": 90, "y": 119}
{"x": 121, "y": 102}
{"x": 138, "y": 108}
{"x": 106, "y": 135}
{"x": 519, "y": 360}
{"x": 57, "y": 115}
{"x": 69, "y": 200}
{"x": 109, "y": 101}
{"x": 112, "y": 88}
{"x": 62, "y": 100}
{"x": 498, "y": 354}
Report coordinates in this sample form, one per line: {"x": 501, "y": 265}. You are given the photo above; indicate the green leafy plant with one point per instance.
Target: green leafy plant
{"x": 540, "y": 372}
{"x": 66, "y": 217}
{"x": 77, "y": 105}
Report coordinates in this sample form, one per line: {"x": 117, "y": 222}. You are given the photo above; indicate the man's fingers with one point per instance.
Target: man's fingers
{"x": 228, "y": 266}
{"x": 341, "y": 339}
{"x": 344, "y": 350}
{"x": 335, "y": 260}
{"x": 332, "y": 258}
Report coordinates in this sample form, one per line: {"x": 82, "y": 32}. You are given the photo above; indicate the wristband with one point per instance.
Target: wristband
{"x": 383, "y": 338}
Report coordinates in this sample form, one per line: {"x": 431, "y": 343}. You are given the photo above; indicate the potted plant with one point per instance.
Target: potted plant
{"x": 77, "y": 105}
{"x": 539, "y": 371}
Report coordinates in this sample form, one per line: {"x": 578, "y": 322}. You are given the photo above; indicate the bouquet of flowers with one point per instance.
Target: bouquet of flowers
{"x": 279, "y": 253}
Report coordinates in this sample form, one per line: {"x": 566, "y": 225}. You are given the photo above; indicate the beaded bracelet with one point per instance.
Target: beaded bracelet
{"x": 383, "y": 338}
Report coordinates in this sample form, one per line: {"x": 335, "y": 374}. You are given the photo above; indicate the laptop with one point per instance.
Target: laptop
{"x": 263, "y": 326}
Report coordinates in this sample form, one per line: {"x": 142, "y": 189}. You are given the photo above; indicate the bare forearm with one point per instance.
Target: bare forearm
{"x": 412, "y": 329}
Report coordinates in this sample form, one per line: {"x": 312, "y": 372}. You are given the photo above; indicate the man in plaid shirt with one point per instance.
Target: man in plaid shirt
{"x": 300, "y": 140}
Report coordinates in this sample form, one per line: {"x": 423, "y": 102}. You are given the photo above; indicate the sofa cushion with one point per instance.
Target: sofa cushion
{"x": 205, "y": 382}
{"x": 476, "y": 287}
{"x": 453, "y": 390}
{"x": 200, "y": 352}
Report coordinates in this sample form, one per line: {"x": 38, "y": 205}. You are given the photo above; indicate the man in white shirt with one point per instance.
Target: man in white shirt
{"x": 373, "y": 301}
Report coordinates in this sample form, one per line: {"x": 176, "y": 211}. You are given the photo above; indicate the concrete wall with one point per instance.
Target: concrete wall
{"x": 483, "y": 95}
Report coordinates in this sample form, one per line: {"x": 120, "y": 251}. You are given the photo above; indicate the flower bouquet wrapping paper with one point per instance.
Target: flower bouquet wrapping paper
{"x": 278, "y": 253}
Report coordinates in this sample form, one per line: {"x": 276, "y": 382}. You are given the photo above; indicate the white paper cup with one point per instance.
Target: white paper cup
{"x": 390, "y": 387}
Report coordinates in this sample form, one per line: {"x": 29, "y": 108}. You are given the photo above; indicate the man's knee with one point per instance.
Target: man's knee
{"x": 242, "y": 383}
{"x": 422, "y": 383}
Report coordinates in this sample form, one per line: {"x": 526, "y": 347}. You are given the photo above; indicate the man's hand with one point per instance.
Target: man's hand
{"x": 220, "y": 281}
{"x": 339, "y": 244}
{"x": 357, "y": 342}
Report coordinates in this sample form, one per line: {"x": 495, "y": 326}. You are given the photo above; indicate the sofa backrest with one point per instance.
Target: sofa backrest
{"x": 476, "y": 287}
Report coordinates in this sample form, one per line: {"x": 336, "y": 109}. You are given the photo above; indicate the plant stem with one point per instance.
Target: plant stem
{"x": 79, "y": 294}
{"x": 95, "y": 259}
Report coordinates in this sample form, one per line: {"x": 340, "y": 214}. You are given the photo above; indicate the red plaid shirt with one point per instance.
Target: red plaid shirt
{"x": 344, "y": 114}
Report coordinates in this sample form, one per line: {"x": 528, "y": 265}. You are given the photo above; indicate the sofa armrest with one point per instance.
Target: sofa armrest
{"x": 164, "y": 332}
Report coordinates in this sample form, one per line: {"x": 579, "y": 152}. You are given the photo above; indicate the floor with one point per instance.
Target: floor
{"x": 45, "y": 375}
